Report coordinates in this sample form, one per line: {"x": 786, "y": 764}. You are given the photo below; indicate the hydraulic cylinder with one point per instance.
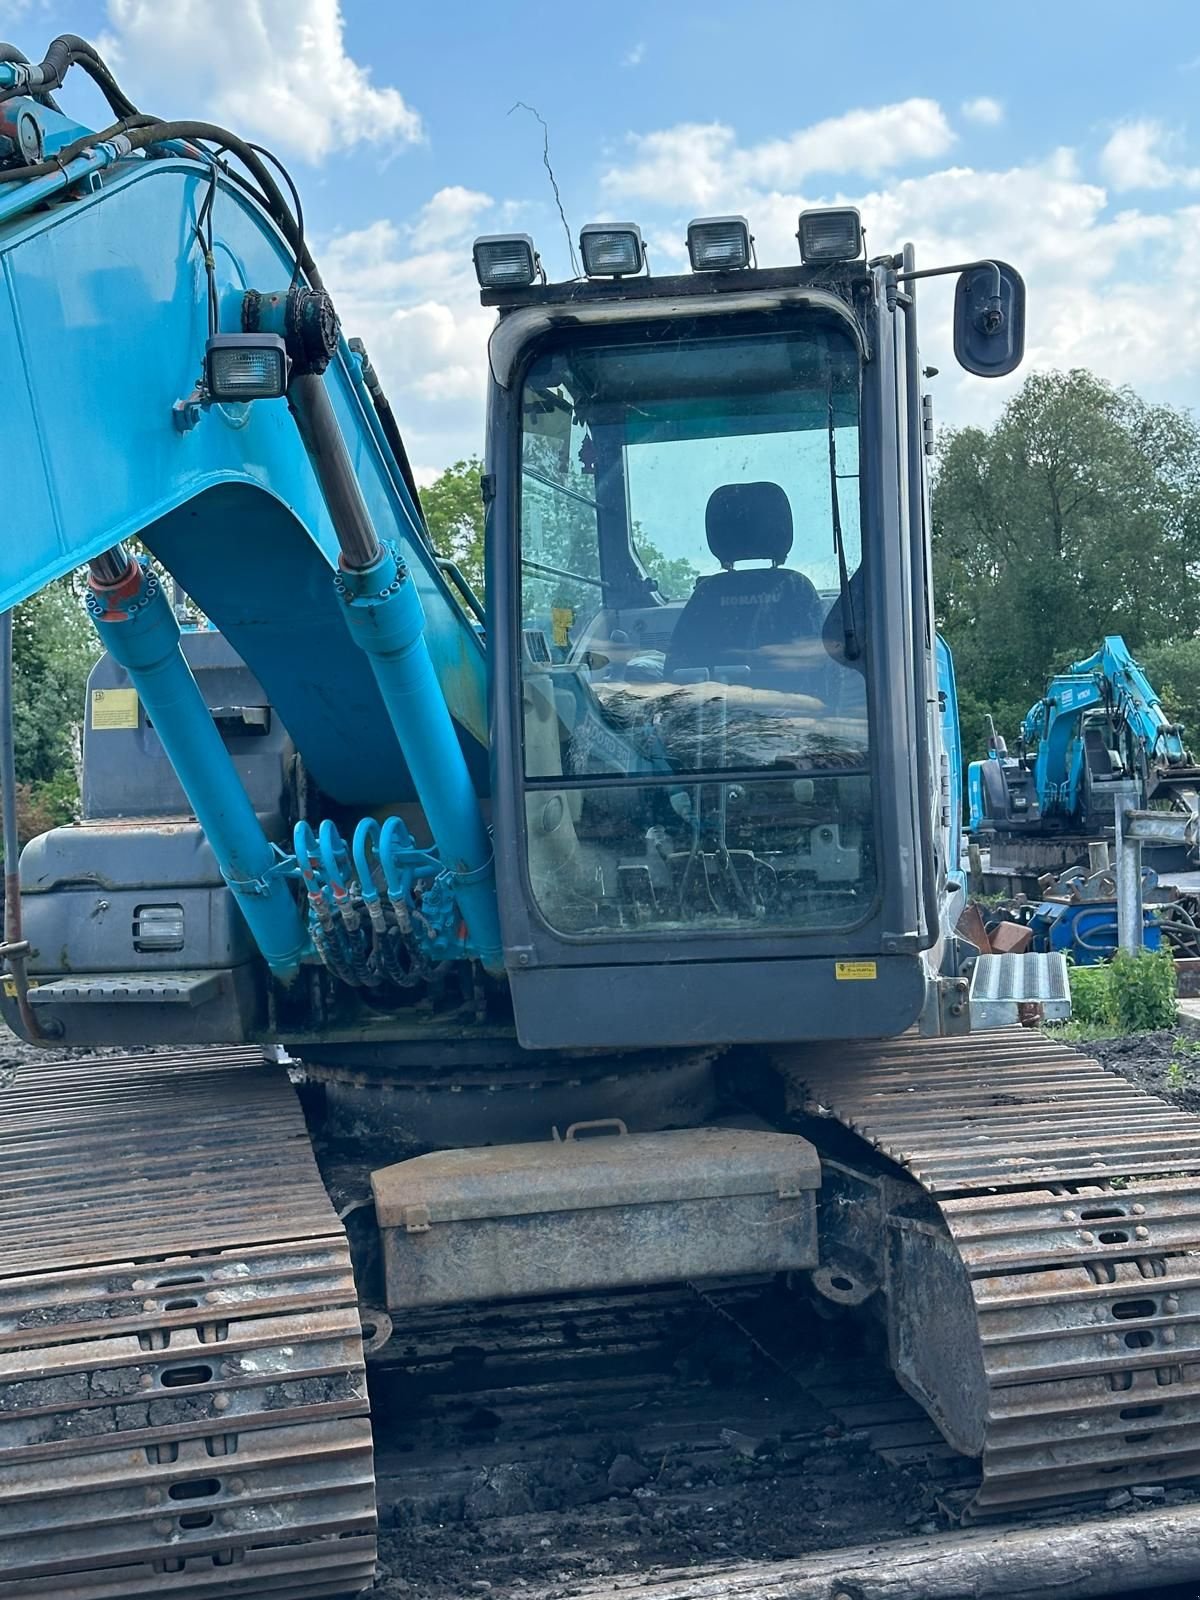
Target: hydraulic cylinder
{"x": 134, "y": 619}
{"x": 387, "y": 620}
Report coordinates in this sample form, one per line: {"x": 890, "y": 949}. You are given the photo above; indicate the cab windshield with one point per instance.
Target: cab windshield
{"x": 696, "y": 743}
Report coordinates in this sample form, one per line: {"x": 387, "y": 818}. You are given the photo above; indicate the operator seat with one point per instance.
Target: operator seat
{"x": 748, "y": 617}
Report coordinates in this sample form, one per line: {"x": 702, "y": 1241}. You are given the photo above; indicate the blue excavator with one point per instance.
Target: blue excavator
{"x": 458, "y": 958}
{"x": 1099, "y": 738}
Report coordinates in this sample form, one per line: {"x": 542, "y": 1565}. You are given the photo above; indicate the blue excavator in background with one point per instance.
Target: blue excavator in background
{"x": 1097, "y": 738}
{"x": 673, "y": 864}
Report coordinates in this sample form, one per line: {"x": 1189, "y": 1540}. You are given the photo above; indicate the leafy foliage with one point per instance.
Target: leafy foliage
{"x": 453, "y": 509}
{"x": 1144, "y": 990}
{"x": 54, "y": 647}
{"x": 1093, "y": 1004}
{"x": 1076, "y": 515}
{"x": 454, "y": 512}
{"x": 1133, "y": 994}
{"x": 1174, "y": 670}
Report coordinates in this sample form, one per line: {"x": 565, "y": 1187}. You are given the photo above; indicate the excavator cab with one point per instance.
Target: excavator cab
{"x": 699, "y": 587}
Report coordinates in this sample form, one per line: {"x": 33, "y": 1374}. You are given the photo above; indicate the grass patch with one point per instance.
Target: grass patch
{"x": 1075, "y": 1032}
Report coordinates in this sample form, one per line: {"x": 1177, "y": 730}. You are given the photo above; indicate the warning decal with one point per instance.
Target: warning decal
{"x": 114, "y": 708}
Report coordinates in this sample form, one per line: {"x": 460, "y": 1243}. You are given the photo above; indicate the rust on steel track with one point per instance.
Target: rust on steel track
{"x": 183, "y": 1403}
{"x": 1068, "y": 1239}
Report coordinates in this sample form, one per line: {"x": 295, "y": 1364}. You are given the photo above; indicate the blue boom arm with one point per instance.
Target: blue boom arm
{"x": 109, "y": 274}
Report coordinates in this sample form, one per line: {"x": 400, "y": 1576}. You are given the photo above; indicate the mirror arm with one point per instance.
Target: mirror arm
{"x": 993, "y": 316}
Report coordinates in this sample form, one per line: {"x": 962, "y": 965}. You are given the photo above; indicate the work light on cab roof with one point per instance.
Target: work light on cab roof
{"x": 719, "y": 244}
{"x": 506, "y": 261}
{"x": 830, "y": 234}
{"x": 612, "y": 249}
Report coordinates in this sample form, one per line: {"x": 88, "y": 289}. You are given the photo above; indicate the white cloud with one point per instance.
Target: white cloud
{"x": 634, "y": 57}
{"x": 410, "y": 293}
{"x": 1136, "y": 157}
{"x": 451, "y": 213}
{"x": 274, "y": 68}
{"x": 694, "y": 161}
{"x": 1130, "y": 160}
{"x": 984, "y": 110}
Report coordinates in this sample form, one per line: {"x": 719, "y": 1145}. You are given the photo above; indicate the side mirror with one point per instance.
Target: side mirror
{"x": 989, "y": 319}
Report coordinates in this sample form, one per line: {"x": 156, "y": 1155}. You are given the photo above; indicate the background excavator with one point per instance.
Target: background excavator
{"x": 1098, "y": 737}
{"x": 675, "y": 870}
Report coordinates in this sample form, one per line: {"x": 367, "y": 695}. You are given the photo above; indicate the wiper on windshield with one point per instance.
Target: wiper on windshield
{"x": 849, "y": 627}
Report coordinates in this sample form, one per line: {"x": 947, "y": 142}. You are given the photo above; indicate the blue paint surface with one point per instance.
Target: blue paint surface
{"x": 102, "y": 330}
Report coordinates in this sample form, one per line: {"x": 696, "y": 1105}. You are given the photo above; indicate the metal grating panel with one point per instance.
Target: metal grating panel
{"x": 1001, "y": 985}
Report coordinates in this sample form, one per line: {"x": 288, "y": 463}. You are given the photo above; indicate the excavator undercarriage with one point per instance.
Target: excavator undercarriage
{"x": 184, "y": 1390}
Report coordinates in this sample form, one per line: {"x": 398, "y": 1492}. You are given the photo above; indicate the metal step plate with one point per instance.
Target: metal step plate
{"x": 1002, "y": 985}
{"x": 182, "y": 988}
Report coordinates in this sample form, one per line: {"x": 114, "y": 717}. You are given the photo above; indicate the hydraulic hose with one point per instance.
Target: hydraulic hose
{"x": 387, "y": 421}
{"x": 143, "y": 130}
{"x": 67, "y": 51}
{"x": 18, "y": 58}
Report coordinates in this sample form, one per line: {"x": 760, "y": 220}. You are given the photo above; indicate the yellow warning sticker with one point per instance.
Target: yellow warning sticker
{"x": 854, "y": 971}
{"x": 561, "y": 620}
{"x": 10, "y": 987}
{"x": 114, "y": 708}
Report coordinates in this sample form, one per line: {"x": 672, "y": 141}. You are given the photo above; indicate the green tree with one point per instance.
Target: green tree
{"x": 674, "y": 575}
{"x": 453, "y": 509}
{"x": 54, "y": 647}
{"x": 1076, "y": 515}
{"x": 1174, "y": 671}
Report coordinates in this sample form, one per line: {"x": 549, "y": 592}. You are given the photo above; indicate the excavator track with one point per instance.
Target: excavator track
{"x": 1047, "y": 1313}
{"x": 183, "y": 1405}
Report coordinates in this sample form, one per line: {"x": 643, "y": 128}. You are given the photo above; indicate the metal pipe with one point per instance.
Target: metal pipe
{"x": 17, "y": 196}
{"x": 922, "y": 621}
{"x": 134, "y": 619}
{"x": 386, "y": 618}
{"x": 15, "y": 948}
{"x": 311, "y": 407}
{"x": 1129, "y": 884}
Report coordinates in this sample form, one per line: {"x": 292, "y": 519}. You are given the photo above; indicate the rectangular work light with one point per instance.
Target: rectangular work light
{"x": 611, "y": 249}
{"x": 718, "y": 244}
{"x": 830, "y": 235}
{"x": 246, "y": 366}
{"x": 505, "y": 261}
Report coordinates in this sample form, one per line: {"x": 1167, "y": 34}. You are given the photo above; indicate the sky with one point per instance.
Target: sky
{"x": 1060, "y": 135}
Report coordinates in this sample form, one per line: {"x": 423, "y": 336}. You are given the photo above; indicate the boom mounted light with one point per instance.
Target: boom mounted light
{"x": 719, "y": 244}
{"x": 612, "y": 249}
{"x": 505, "y": 261}
{"x": 830, "y": 235}
{"x": 245, "y": 366}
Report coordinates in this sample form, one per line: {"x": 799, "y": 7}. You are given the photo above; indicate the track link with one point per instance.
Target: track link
{"x": 1050, "y": 1320}
{"x": 182, "y": 1392}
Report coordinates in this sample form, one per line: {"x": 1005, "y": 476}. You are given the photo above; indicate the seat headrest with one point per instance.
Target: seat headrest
{"x": 748, "y": 522}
